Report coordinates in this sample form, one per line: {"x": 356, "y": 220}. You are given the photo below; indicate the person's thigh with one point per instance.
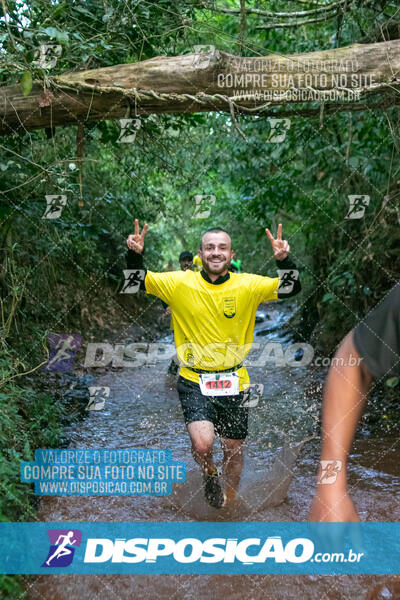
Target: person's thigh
{"x": 202, "y": 435}
{"x": 198, "y": 410}
{"x": 232, "y": 417}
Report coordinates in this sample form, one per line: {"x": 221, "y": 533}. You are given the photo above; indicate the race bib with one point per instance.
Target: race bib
{"x": 219, "y": 384}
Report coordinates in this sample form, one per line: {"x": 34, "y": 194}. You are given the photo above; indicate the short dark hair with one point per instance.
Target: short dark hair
{"x": 185, "y": 255}
{"x": 212, "y": 230}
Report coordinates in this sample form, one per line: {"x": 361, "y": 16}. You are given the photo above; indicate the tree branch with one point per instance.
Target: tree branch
{"x": 211, "y": 81}
{"x": 243, "y": 25}
{"x": 268, "y": 13}
{"x": 297, "y": 23}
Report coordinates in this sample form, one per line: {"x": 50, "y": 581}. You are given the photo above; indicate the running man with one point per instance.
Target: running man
{"x": 370, "y": 352}
{"x": 62, "y": 550}
{"x": 214, "y": 314}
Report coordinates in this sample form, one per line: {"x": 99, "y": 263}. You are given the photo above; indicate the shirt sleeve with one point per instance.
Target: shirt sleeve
{"x": 162, "y": 285}
{"x": 264, "y": 289}
{"x": 377, "y": 337}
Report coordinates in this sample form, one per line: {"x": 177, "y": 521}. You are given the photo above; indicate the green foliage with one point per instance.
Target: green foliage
{"x": 26, "y": 83}
{"x": 28, "y": 420}
{"x": 12, "y": 587}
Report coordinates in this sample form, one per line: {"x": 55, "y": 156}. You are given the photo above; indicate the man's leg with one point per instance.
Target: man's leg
{"x": 232, "y": 465}
{"x": 200, "y": 415}
{"x": 202, "y": 437}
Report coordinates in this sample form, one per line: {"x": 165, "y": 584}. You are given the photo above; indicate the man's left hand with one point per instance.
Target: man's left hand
{"x": 280, "y": 247}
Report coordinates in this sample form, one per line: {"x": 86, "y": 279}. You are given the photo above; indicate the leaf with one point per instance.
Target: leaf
{"x": 51, "y": 31}
{"x": 354, "y": 161}
{"x": 392, "y": 382}
{"x": 26, "y": 83}
{"x": 328, "y": 296}
{"x": 84, "y": 11}
{"x": 62, "y": 36}
{"x": 109, "y": 12}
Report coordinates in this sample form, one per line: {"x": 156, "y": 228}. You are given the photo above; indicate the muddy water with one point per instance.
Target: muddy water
{"x": 143, "y": 411}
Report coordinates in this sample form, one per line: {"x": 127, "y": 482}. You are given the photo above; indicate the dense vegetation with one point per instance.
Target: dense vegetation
{"x": 63, "y": 274}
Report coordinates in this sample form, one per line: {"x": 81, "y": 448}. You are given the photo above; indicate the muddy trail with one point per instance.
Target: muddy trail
{"x": 143, "y": 411}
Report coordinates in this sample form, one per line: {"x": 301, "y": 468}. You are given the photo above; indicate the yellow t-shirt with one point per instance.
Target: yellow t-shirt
{"x": 197, "y": 263}
{"x": 213, "y": 324}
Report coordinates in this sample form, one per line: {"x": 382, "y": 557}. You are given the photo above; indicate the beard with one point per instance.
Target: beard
{"x": 217, "y": 267}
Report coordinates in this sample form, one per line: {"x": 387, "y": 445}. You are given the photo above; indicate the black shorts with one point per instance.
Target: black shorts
{"x": 227, "y": 413}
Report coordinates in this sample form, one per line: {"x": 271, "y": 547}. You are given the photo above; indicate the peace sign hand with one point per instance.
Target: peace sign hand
{"x": 135, "y": 241}
{"x": 280, "y": 247}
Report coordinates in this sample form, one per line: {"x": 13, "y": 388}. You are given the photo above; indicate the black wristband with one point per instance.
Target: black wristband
{"x": 287, "y": 264}
{"x": 135, "y": 261}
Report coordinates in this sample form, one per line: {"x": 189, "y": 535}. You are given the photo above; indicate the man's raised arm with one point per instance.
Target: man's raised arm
{"x": 287, "y": 271}
{"x": 161, "y": 285}
{"x": 134, "y": 255}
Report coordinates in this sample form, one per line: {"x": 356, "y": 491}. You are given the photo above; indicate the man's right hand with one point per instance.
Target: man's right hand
{"x": 135, "y": 241}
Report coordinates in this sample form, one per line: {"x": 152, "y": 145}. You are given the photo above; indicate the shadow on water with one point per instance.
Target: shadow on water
{"x": 143, "y": 411}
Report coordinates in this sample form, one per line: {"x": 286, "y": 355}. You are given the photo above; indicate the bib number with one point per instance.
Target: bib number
{"x": 219, "y": 384}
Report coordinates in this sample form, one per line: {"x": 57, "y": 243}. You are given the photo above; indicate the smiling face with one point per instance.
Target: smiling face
{"x": 216, "y": 253}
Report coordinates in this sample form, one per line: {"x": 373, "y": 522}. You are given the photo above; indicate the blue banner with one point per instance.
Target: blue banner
{"x": 176, "y": 547}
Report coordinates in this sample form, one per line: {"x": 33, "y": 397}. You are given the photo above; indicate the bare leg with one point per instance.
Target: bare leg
{"x": 232, "y": 465}
{"x": 202, "y": 437}
{"x": 345, "y": 392}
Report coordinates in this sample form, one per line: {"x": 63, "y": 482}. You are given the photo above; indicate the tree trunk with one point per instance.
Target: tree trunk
{"x": 365, "y": 75}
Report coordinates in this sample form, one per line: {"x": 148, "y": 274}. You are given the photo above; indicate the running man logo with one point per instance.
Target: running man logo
{"x": 252, "y": 395}
{"x": 329, "y": 471}
{"x": 357, "y": 206}
{"x": 55, "y": 205}
{"x": 98, "y": 396}
{"x": 203, "y": 55}
{"x": 48, "y": 54}
{"x": 287, "y": 277}
{"x": 129, "y": 129}
{"x": 61, "y": 551}
{"x": 278, "y": 130}
{"x": 62, "y": 351}
{"x": 204, "y": 202}
{"x": 229, "y": 307}
{"x": 133, "y": 278}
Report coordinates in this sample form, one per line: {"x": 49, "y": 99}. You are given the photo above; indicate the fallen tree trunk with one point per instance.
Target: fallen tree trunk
{"x": 353, "y": 78}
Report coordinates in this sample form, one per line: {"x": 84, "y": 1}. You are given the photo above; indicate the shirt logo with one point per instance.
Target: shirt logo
{"x": 229, "y": 307}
